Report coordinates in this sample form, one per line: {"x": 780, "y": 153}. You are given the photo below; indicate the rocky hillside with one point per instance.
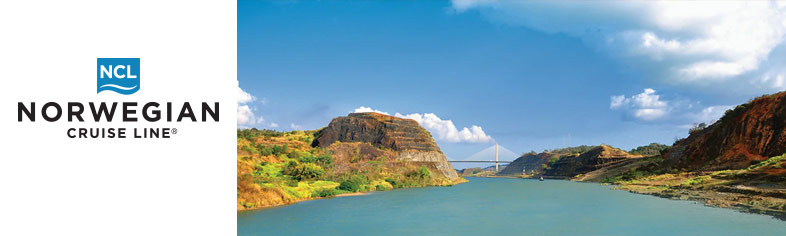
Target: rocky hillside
{"x": 596, "y": 158}
{"x": 357, "y": 153}
{"x": 405, "y": 139}
{"x": 749, "y": 133}
{"x": 379, "y": 130}
{"x": 529, "y": 162}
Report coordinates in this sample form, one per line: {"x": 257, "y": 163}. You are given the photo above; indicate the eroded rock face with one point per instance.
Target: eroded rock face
{"x": 379, "y": 130}
{"x": 439, "y": 160}
{"x": 596, "y": 158}
{"x": 404, "y": 137}
{"x": 751, "y": 132}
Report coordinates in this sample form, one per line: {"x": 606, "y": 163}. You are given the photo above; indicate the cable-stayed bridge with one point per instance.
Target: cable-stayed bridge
{"x": 490, "y": 155}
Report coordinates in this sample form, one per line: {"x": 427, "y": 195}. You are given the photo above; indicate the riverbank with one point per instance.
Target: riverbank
{"x": 279, "y": 200}
{"x": 759, "y": 189}
{"x": 712, "y": 190}
{"x": 303, "y": 200}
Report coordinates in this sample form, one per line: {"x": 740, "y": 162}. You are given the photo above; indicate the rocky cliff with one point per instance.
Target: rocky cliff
{"x": 749, "y": 133}
{"x": 402, "y": 139}
{"x": 596, "y": 158}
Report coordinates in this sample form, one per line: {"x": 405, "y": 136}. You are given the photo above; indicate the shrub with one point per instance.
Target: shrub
{"x": 323, "y": 159}
{"x": 381, "y": 187}
{"x": 326, "y": 192}
{"x": 652, "y": 149}
{"x": 277, "y": 150}
{"x": 249, "y": 149}
{"x": 393, "y": 182}
{"x": 553, "y": 160}
{"x": 293, "y": 155}
{"x": 353, "y": 184}
{"x": 422, "y": 173}
{"x": 302, "y": 171}
{"x": 697, "y": 127}
{"x": 265, "y": 151}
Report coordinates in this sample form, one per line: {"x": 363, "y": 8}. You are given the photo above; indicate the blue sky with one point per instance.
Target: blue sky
{"x": 524, "y": 74}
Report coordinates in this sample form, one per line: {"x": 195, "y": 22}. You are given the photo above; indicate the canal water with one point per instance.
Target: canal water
{"x": 497, "y": 206}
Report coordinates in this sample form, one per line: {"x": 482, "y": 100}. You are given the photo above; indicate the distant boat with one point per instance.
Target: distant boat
{"x": 541, "y": 178}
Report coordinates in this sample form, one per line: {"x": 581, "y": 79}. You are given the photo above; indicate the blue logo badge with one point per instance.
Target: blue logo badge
{"x": 120, "y": 75}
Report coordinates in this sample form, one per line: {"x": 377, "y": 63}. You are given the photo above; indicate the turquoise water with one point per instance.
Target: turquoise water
{"x": 486, "y": 206}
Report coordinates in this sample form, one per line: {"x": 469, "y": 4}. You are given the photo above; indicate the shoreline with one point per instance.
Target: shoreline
{"x": 742, "y": 202}
{"x": 735, "y": 198}
{"x": 460, "y": 181}
{"x": 305, "y": 199}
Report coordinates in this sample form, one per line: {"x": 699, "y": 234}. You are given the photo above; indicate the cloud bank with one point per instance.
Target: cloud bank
{"x": 649, "y": 107}
{"x": 682, "y": 42}
{"x": 443, "y": 130}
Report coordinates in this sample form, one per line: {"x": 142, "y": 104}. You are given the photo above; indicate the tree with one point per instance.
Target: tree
{"x": 697, "y": 127}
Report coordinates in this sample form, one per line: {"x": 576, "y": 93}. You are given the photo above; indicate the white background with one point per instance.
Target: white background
{"x": 53, "y": 185}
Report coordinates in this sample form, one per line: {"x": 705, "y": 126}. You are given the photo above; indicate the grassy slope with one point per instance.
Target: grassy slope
{"x": 278, "y": 168}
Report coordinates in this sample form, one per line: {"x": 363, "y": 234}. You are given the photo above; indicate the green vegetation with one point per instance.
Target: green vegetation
{"x": 776, "y": 162}
{"x": 732, "y": 114}
{"x": 323, "y": 159}
{"x": 422, "y": 173}
{"x": 254, "y": 133}
{"x": 354, "y": 184}
{"x": 381, "y": 187}
{"x": 697, "y": 180}
{"x": 653, "y": 149}
{"x": 697, "y": 127}
{"x": 633, "y": 175}
{"x": 551, "y": 162}
{"x": 571, "y": 150}
{"x": 326, "y": 192}
{"x": 303, "y": 171}
{"x": 277, "y": 168}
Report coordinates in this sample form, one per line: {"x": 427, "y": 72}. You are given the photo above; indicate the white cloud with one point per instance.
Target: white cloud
{"x": 243, "y": 97}
{"x": 443, "y": 130}
{"x": 646, "y": 106}
{"x": 245, "y": 118}
{"x": 617, "y": 101}
{"x": 709, "y": 114}
{"x": 273, "y": 125}
{"x": 368, "y": 109}
{"x": 690, "y": 42}
{"x": 245, "y": 113}
{"x": 294, "y": 126}
{"x": 649, "y": 107}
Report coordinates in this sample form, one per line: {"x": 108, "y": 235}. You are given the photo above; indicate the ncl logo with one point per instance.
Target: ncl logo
{"x": 120, "y": 75}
